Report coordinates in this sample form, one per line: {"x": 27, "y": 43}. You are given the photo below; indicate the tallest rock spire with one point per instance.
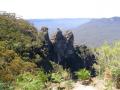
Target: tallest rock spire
{"x": 59, "y": 44}
{"x": 63, "y": 45}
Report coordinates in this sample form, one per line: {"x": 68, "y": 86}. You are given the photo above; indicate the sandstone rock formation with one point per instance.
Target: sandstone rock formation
{"x": 61, "y": 50}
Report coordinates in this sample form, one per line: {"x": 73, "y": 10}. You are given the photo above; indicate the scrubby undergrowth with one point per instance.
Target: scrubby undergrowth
{"x": 108, "y": 67}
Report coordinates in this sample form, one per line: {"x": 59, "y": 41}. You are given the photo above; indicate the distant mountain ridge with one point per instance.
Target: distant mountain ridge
{"x": 106, "y": 20}
{"x": 53, "y": 24}
{"x": 98, "y": 31}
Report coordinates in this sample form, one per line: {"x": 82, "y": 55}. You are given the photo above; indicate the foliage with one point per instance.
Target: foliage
{"x": 21, "y": 51}
{"x": 108, "y": 56}
{"x": 28, "y": 81}
{"x": 83, "y": 74}
{"x": 11, "y": 65}
{"x": 11, "y": 29}
{"x": 56, "y": 77}
{"x": 22, "y": 37}
{"x": 29, "y": 51}
{"x": 6, "y": 86}
{"x": 116, "y": 77}
{"x": 59, "y": 74}
{"x": 1, "y": 85}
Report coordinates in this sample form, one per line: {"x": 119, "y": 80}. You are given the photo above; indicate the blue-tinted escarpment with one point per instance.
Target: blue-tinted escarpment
{"x": 98, "y": 31}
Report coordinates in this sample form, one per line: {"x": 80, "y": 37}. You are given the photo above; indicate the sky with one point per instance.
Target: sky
{"x": 44, "y": 9}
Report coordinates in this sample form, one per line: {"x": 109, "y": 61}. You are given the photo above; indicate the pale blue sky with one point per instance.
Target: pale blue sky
{"x": 62, "y": 8}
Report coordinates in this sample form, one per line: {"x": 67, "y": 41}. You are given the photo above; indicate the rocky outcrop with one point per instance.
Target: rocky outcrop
{"x": 61, "y": 50}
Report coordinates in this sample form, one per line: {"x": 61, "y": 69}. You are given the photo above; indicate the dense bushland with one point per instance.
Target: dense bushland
{"x": 19, "y": 55}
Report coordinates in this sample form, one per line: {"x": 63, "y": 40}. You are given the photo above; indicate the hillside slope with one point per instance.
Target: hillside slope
{"x": 97, "y": 31}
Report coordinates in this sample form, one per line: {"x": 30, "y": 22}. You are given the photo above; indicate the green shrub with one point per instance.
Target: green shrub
{"x": 12, "y": 65}
{"x": 116, "y": 77}
{"x": 59, "y": 74}
{"x": 108, "y": 56}
{"x": 56, "y": 77}
{"x": 6, "y": 86}
{"x": 1, "y": 85}
{"x": 83, "y": 74}
{"x": 28, "y": 81}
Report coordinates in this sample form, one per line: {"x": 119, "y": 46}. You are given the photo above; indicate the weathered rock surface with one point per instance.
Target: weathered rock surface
{"x": 63, "y": 44}
{"x": 70, "y": 42}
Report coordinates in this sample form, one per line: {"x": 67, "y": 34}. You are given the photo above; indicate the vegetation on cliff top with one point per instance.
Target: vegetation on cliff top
{"x": 25, "y": 64}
